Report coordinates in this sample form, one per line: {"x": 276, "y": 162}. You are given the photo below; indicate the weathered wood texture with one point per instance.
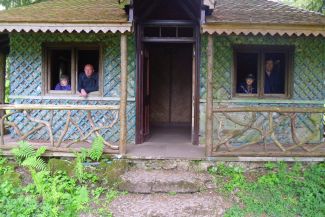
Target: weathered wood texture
{"x": 2, "y": 81}
{"x": 209, "y": 106}
{"x": 61, "y": 140}
{"x": 265, "y": 140}
{"x": 26, "y": 79}
{"x": 124, "y": 94}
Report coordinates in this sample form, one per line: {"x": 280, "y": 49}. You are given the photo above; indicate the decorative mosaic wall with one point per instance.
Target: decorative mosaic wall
{"x": 308, "y": 74}
{"x": 26, "y": 74}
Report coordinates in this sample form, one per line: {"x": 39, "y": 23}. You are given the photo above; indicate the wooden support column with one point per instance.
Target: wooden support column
{"x": 2, "y": 93}
{"x": 2, "y": 80}
{"x": 209, "y": 100}
{"x": 124, "y": 94}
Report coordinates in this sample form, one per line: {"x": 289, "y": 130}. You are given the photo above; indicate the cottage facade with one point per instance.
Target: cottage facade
{"x": 167, "y": 65}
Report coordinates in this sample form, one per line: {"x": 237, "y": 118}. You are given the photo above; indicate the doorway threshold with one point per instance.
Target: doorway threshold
{"x": 167, "y": 142}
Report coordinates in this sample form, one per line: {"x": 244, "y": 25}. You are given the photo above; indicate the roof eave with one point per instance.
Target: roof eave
{"x": 113, "y": 27}
{"x": 264, "y": 28}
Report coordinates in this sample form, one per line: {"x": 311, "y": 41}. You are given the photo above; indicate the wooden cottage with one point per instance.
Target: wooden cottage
{"x": 174, "y": 78}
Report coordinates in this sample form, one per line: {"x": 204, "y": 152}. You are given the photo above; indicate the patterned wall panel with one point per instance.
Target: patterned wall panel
{"x": 26, "y": 77}
{"x": 309, "y": 66}
{"x": 308, "y": 75}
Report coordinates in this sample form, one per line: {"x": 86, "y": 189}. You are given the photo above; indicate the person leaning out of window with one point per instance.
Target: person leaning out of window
{"x": 88, "y": 81}
{"x": 249, "y": 86}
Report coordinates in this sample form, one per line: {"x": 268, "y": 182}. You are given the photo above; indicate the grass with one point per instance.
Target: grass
{"x": 279, "y": 191}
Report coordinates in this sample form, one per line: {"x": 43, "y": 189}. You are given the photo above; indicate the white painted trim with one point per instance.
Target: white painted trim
{"x": 64, "y": 27}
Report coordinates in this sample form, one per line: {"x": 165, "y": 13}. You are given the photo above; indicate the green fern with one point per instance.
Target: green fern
{"x": 23, "y": 151}
{"x": 79, "y": 167}
{"x": 35, "y": 162}
{"x": 97, "y": 148}
{"x": 28, "y": 157}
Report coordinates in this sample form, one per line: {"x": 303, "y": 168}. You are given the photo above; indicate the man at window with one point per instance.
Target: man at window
{"x": 273, "y": 80}
{"x": 88, "y": 81}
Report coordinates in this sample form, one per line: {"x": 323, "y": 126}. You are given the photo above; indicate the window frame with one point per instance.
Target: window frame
{"x": 261, "y": 51}
{"x": 74, "y": 47}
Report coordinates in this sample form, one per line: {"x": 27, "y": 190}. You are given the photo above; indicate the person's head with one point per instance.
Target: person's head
{"x": 89, "y": 70}
{"x": 64, "y": 80}
{"x": 250, "y": 79}
{"x": 269, "y": 64}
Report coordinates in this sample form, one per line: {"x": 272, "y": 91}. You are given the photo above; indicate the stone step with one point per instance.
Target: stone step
{"x": 204, "y": 204}
{"x": 165, "y": 181}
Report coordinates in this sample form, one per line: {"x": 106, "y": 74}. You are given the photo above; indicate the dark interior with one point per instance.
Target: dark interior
{"x": 167, "y": 32}
{"x": 167, "y": 9}
{"x": 60, "y": 65}
{"x": 88, "y": 57}
{"x": 247, "y": 63}
{"x": 170, "y": 67}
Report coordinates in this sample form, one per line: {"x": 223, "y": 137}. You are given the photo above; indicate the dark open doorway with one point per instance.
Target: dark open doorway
{"x": 168, "y": 39}
{"x": 168, "y": 91}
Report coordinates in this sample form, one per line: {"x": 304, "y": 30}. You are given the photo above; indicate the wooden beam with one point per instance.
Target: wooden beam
{"x": 57, "y": 107}
{"x": 124, "y": 94}
{"x": 209, "y": 104}
{"x": 270, "y": 109}
{"x": 2, "y": 81}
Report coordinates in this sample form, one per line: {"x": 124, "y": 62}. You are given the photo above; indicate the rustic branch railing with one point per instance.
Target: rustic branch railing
{"x": 70, "y": 121}
{"x": 265, "y": 142}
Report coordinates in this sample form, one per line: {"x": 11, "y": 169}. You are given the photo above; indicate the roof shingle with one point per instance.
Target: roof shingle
{"x": 261, "y": 12}
{"x": 67, "y": 11}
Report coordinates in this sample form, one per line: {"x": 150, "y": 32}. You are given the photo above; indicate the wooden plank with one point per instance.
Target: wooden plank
{"x": 209, "y": 104}
{"x": 124, "y": 94}
{"x": 2, "y": 81}
{"x": 268, "y": 154}
{"x": 270, "y": 109}
{"x": 58, "y": 107}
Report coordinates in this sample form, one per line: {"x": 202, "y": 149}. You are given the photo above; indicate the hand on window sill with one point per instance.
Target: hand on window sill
{"x": 83, "y": 93}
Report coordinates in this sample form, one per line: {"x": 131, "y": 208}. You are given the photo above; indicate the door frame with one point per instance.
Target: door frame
{"x": 140, "y": 43}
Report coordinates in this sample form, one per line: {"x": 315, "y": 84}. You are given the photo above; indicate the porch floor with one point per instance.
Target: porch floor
{"x": 171, "y": 142}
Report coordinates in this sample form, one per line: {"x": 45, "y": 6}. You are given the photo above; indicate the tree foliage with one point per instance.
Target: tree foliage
{"x": 312, "y": 5}
{"x": 17, "y": 3}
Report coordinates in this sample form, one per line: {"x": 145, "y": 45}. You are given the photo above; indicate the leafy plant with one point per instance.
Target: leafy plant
{"x": 97, "y": 148}
{"x": 28, "y": 157}
{"x": 281, "y": 191}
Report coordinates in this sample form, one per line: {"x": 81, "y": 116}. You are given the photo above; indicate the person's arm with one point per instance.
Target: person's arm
{"x": 57, "y": 87}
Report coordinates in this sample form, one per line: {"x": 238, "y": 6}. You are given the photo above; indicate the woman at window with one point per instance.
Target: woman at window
{"x": 249, "y": 86}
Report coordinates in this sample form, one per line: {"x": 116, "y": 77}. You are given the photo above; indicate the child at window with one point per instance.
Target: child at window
{"x": 64, "y": 83}
{"x": 249, "y": 87}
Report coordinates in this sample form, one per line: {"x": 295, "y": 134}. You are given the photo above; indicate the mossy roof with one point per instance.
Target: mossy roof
{"x": 67, "y": 11}
{"x": 261, "y": 12}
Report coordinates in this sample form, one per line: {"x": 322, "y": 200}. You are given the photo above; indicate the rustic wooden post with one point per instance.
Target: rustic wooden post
{"x": 2, "y": 80}
{"x": 124, "y": 95}
{"x": 2, "y": 93}
{"x": 209, "y": 100}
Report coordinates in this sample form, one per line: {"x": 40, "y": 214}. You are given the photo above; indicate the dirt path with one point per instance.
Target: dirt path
{"x": 203, "y": 204}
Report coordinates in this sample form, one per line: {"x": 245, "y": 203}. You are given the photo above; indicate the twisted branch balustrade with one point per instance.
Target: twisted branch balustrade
{"x": 71, "y": 121}
{"x": 265, "y": 141}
